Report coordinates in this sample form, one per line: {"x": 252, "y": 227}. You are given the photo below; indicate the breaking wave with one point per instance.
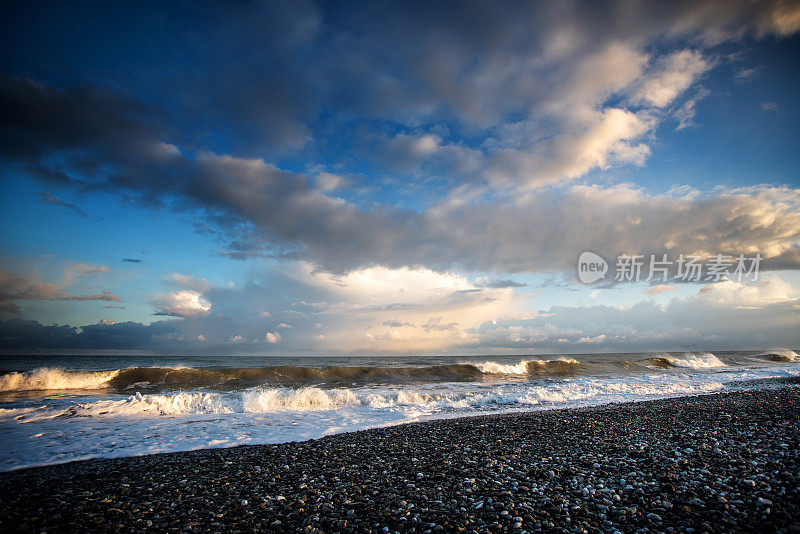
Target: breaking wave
{"x": 789, "y": 356}
{"x": 143, "y": 378}
{"x": 143, "y": 410}
{"x": 163, "y": 379}
{"x": 52, "y": 378}
{"x": 704, "y": 360}
{"x": 311, "y": 399}
{"x": 529, "y": 367}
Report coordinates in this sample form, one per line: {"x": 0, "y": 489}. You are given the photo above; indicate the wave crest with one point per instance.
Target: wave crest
{"x": 704, "y": 360}
{"x": 560, "y": 367}
{"x": 229, "y": 379}
{"x": 54, "y": 378}
{"x": 788, "y": 356}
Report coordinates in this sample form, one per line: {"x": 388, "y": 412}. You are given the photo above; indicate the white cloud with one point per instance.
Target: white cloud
{"x": 671, "y": 76}
{"x": 184, "y": 303}
{"x": 383, "y": 284}
{"x": 770, "y": 289}
{"x": 272, "y": 337}
{"x": 401, "y": 310}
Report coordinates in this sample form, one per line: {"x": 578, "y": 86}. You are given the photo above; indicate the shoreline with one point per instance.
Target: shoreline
{"x": 722, "y": 461}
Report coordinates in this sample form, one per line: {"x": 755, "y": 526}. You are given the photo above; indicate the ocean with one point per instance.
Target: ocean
{"x": 61, "y": 408}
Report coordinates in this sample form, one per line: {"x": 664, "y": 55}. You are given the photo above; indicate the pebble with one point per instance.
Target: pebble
{"x": 639, "y": 467}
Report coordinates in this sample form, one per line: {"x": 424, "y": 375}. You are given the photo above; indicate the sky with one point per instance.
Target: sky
{"x": 311, "y": 178}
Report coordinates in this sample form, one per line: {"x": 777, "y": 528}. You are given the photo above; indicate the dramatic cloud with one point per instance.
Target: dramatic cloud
{"x": 402, "y": 184}
{"x": 726, "y": 315}
{"x": 265, "y": 210}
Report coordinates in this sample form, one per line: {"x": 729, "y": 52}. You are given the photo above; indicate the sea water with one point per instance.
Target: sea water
{"x": 61, "y": 408}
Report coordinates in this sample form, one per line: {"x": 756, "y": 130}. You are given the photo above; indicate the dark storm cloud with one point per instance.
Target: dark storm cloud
{"x": 20, "y": 333}
{"x": 38, "y": 120}
{"x": 23, "y": 334}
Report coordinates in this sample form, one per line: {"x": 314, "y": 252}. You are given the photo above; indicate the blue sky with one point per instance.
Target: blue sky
{"x": 320, "y": 178}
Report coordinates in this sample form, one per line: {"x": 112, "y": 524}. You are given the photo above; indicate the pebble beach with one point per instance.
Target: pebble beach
{"x": 712, "y": 463}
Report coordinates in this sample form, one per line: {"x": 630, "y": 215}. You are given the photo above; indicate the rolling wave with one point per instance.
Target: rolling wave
{"x": 53, "y": 378}
{"x": 704, "y": 360}
{"x": 561, "y": 367}
{"x": 285, "y": 375}
{"x": 152, "y": 379}
{"x": 788, "y": 356}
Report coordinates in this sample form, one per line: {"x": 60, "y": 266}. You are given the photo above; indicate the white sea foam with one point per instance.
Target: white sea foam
{"x": 704, "y": 360}
{"x": 496, "y": 368}
{"x": 305, "y": 399}
{"x": 53, "y": 378}
{"x": 520, "y": 368}
{"x": 310, "y": 399}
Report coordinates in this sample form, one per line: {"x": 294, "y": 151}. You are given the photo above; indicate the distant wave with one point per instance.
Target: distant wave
{"x": 286, "y": 375}
{"x": 781, "y": 356}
